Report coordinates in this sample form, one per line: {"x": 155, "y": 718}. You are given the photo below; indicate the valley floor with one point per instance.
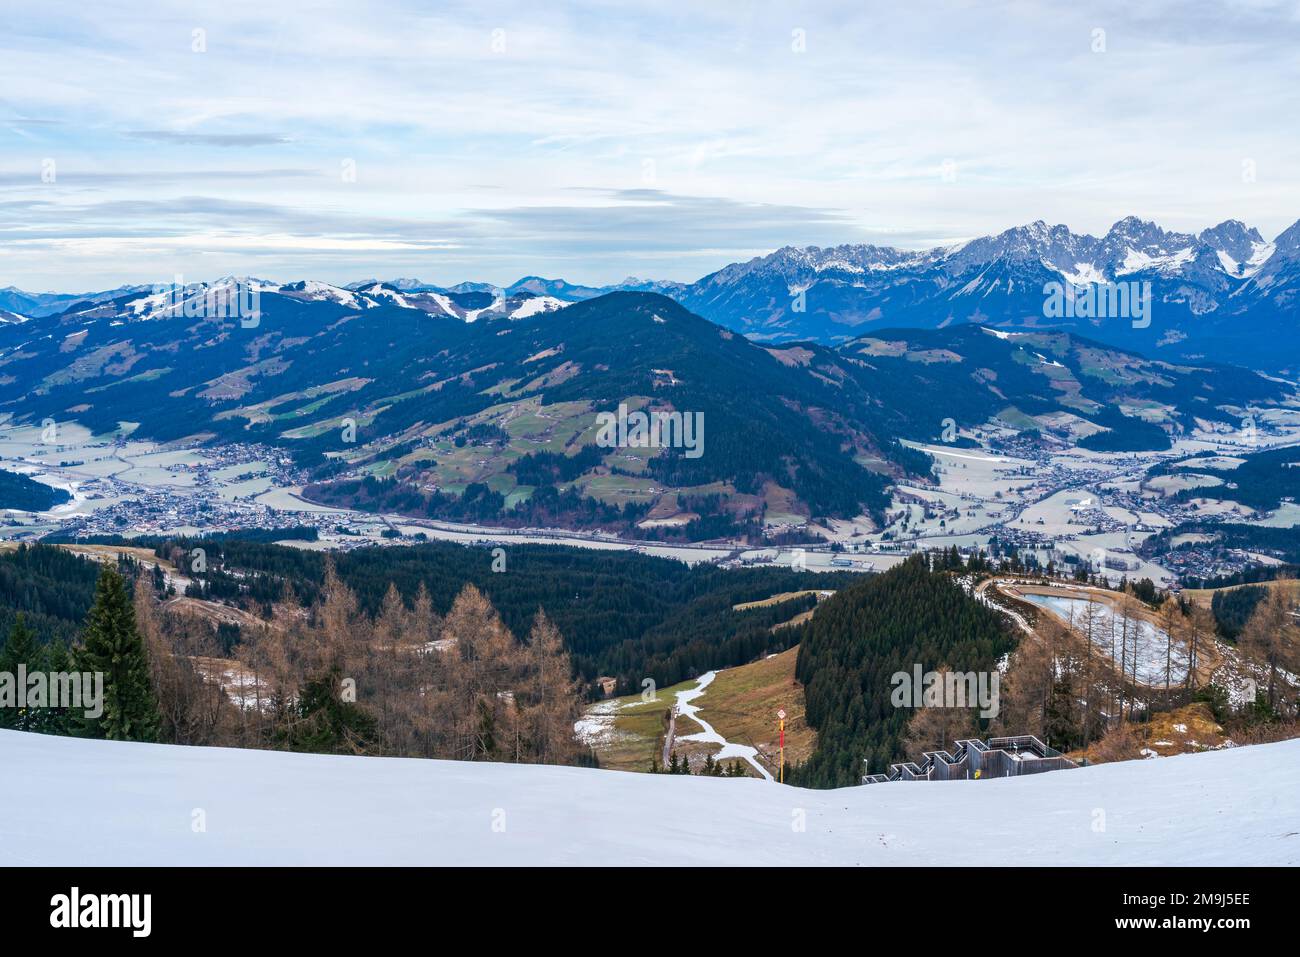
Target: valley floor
{"x": 75, "y": 802}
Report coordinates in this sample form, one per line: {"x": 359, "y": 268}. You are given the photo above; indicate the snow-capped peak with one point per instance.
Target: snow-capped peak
{"x": 323, "y": 291}
{"x": 1288, "y": 241}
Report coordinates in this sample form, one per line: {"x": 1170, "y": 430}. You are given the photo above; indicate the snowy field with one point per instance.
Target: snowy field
{"x": 75, "y": 802}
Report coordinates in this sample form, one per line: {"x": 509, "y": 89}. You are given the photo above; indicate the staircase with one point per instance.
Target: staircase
{"x": 996, "y": 758}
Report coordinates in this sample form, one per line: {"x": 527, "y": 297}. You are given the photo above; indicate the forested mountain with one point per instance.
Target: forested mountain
{"x": 1111, "y": 399}
{"x": 1262, "y": 481}
{"x": 1225, "y": 292}
{"x": 859, "y": 638}
{"x": 20, "y": 492}
{"x": 50, "y": 587}
{"x": 393, "y": 408}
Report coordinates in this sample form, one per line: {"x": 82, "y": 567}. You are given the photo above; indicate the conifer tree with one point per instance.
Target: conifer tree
{"x": 20, "y": 649}
{"x": 57, "y": 661}
{"x": 112, "y": 646}
{"x": 326, "y": 723}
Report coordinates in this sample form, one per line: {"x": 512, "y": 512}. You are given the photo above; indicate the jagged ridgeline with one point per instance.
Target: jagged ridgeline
{"x": 1225, "y": 292}
{"x": 863, "y": 635}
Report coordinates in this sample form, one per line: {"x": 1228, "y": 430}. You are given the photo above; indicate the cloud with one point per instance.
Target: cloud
{"x": 487, "y": 140}
{"x": 76, "y": 177}
{"x": 207, "y": 139}
{"x": 649, "y": 220}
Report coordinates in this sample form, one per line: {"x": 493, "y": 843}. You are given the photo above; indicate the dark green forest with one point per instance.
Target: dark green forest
{"x": 1261, "y": 482}
{"x": 863, "y": 635}
{"x": 50, "y": 587}
{"x": 621, "y": 613}
{"x": 1125, "y": 433}
{"x": 20, "y": 492}
{"x": 1232, "y": 609}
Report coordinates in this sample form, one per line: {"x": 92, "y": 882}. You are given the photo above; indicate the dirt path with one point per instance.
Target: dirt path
{"x": 984, "y": 599}
{"x": 670, "y": 736}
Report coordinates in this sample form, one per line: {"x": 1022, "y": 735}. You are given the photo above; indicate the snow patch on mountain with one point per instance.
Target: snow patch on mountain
{"x": 536, "y": 305}
{"x": 1259, "y": 255}
{"x": 1136, "y": 261}
{"x": 324, "y": 292}
{"x": 1081, "y": 275}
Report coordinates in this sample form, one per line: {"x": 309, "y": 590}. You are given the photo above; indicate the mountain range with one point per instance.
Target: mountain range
{"x": 1224, "y": 292}
{"x": 491, "y": 413}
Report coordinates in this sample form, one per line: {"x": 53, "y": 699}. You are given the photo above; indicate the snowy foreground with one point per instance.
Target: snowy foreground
{"x": 73, "y": 802}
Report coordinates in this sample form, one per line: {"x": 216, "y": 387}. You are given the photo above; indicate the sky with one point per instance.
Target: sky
{"x": 486, "y": 141}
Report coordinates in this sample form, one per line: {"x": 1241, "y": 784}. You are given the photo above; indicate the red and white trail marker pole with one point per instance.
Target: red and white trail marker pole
{"x": 780, "y": 718}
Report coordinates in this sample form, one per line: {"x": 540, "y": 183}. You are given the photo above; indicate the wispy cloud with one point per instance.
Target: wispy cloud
{"x": 207, "y": 139}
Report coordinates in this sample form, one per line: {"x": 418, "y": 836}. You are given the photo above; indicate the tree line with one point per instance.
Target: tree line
{"x": 323, "y": 678}
{"x": 623, "y": 614}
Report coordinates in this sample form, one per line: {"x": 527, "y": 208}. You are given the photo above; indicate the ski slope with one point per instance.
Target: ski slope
{"x": 74, "y": 802}
{"x": 710, "y": 735}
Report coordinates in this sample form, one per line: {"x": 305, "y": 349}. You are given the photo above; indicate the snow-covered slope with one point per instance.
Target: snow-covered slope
{"x": 74, "y": 802}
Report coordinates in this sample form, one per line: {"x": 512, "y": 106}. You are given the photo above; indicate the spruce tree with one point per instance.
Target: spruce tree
{"x": 57, "y": 661}
{"x": 20, "y": 649}
{"x": 327, "y": 723}
{"x": 113, "y": 646}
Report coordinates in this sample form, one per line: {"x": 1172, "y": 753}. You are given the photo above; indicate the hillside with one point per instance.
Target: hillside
{"x": 866, "y": 633}
{"x": 622, "y": 615}
{"x": 20, "y": 492}
{"x": 388, "y": 407}
{"x": 628, "y": 733}
{"x": 66, "y": 805}
{"x": 1074, "y": 389}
